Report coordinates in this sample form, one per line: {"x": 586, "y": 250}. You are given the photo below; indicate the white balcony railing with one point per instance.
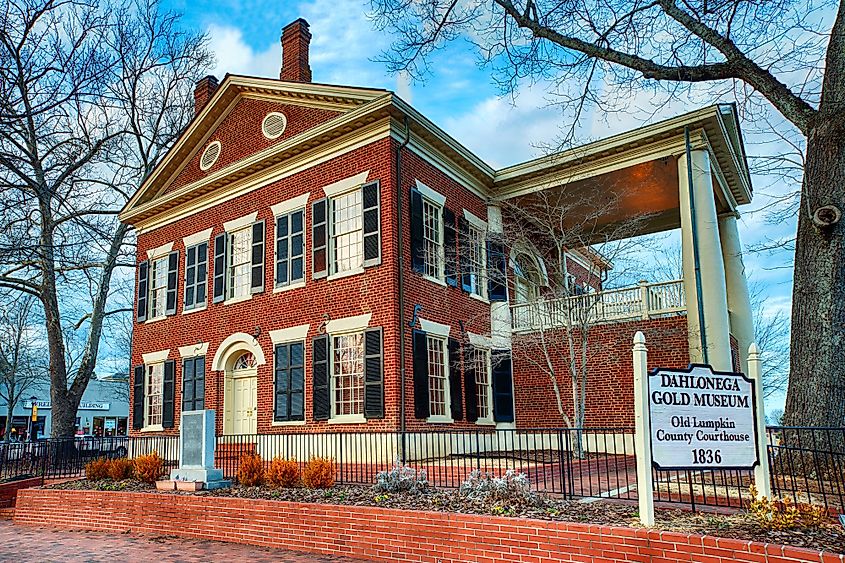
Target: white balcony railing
{"x": 644, "y": 301}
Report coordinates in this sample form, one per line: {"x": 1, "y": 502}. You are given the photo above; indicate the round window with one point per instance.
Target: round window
{"x": 210, "y": 155}
{"x": 274, "y": 125}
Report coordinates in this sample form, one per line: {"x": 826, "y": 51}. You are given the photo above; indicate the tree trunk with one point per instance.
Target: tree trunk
{"x": 816, "y": 393}
{"x": 63, "y": 416}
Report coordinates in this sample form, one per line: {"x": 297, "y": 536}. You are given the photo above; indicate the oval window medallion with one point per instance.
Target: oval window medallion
{"x": 210, "y": 155}
{"x": 274, "y": 125}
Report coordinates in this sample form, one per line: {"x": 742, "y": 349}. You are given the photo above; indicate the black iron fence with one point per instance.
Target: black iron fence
{"x": 807, "y": 464}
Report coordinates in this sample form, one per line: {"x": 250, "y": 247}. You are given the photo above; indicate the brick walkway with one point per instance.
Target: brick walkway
{"x": 22, "y": 543}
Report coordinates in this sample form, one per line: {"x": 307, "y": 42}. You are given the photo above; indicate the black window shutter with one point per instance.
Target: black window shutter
{"x": 202, "y": 274}
{"x": 422, "y": 409}
{"x": 320, "y": 375}
{"x": 502, "y": 386}
{"x": 470, "y": 388}
{"x": 450, "y": 239}
{"x": 168, "y": 394}
{"x": 373, "y": 374}
{"x": 190, "y": 277}
{"x": 296, "y": 355}
{"x": 372, "y": 224}
{"x": 466, "y": 267}
{"x": 496, "y": 271}
{"x": 219, "y": 268}
{"x": 199, "y": 383}
{"x": 297, "y": 246}
{"x": 319, "y": 239}
{"x": 172, "y": 282}
{"x": 417, "y": 257}
{"x": 138, "y": 398}
{"x": 188, "y": 377}
{"x": 257, "y": 271}
{"x": 143, "y": 277}
{"x": 455, "y": 380}
{"x": 281, "y": 411}
{"x": 282, "y": 250}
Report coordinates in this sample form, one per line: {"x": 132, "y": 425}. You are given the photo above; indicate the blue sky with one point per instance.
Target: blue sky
{"x": 460, "y": 97}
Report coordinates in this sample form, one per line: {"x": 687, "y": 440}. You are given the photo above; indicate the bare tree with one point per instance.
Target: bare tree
{"x": 788, "y": 55}
{"x": 91, "y": 96}
{"x": 22, "y": 366}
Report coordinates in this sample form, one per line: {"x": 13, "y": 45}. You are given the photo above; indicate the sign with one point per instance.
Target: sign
{"x": 34, "y": 413}
{"x": 702, "y": 419}
{"x": 110, "y": 424}
{"x": 83, "y": 405}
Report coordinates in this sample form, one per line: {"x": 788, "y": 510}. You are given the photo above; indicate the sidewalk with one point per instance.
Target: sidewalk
{"x": 22, "y": 543}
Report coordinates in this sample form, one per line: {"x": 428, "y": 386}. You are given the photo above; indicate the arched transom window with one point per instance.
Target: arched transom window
{"x": 245, "y": 361}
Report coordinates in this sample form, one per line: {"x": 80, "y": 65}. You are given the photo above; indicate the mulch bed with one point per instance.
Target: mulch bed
{"x": 739, "y": 526}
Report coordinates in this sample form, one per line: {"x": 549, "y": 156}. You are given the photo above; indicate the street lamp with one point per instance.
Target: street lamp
{"x": 33, "y": 402}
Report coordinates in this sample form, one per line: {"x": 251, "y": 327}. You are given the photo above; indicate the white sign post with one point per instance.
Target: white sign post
{"x": 696, "y": 419}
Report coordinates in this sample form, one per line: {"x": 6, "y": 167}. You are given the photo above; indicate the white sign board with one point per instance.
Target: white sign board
{"x": 83, "y": 405}
{"x": 702, "y": 419}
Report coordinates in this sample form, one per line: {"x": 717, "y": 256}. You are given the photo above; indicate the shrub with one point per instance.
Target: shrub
{"x": 512, "y": 488}
{"x": 120, "y": 469}
{"x": 97, "y": 469}
{"x": 283, "y": 472}
{"x": 784, "y": 513}
{"x": 148, "y": 468}
{"x": 251, "y": 470}
{"x": 318, "y": 473}
{"x": 401, "y": 478}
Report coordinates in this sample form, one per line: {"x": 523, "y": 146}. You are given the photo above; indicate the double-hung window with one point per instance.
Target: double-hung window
{"x": 483, "y": 386}
{"x": 347, "y": 228}
{"x": 289, "y": 382}
{"x": 193, "y": 383}
{"x": 475, "y": 260}
{"x": 433, "y": 251}
{"x": 154, "y": 395}
{"x": 240, "y": 245}
{"x": 347, "y": 375}
{"x": 290, "y": 248}
{"x": 196, "y": 276}
{"x": 438, "y": 378}
{"x": 158, "y": 288}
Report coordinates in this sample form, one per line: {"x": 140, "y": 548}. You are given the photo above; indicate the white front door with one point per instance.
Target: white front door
{"x": 244, "y": 402}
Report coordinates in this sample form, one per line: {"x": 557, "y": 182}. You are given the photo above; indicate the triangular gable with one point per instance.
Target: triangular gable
{"x": 234, "y": 116}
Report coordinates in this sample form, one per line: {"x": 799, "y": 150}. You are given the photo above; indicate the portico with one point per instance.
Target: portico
{"x": 687, "y": 173}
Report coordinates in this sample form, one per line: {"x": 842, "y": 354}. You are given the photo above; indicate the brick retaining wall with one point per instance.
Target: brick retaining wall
{"x": 384, "y": 534}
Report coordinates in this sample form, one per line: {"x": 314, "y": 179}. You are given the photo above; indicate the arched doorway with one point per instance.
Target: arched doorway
{"x": 240, "y": 399}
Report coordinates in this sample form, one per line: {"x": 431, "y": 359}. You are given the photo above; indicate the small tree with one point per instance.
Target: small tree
{"x": 22, "y": 366}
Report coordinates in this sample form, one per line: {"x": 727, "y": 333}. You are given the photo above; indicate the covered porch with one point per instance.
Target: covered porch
{"x": 688, "y": 173}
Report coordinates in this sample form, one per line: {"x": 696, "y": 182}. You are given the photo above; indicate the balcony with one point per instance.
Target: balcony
{"x": 644, "y": 301}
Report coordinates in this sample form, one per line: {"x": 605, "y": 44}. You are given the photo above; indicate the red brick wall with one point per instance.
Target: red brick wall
{"x": 379, "y": 534}
{"x": 240, "y": 134}
{"x": 610, "y": 379}
{"x": 583, "y": 276}
{"x": 373, "y": 291}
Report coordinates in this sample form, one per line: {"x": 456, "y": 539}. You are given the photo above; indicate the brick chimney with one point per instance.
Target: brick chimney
{"x": 203, "y": 91}
{"x": 295, "y": 41}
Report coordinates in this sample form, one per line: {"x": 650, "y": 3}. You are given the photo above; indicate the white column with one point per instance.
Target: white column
{"x": 739, "y": 302}
{"x": 500, "y": 311}
{"x": 712, "y": 267}
{"x": 642, "y": 432}
{"x": 762, "y": 478}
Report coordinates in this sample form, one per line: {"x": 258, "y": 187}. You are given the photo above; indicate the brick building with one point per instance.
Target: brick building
{"x": 317, "y": 258}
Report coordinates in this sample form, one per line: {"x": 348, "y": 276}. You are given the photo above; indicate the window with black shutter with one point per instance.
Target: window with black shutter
{"x": 193, "y": 383}
{"x": 138, "y": 380}
{"x": 420, "y": 356}
{"x": 372, "y": 224}
{"x": 470, "y": 385}
{"x": 257, "y": 268}
{"x": 320, "y": 374}
{"x": 290, "y": 248}
{"x": 143, "y": 276}
{"x": 196, "y": 276}
{"x": 502, "y": 375}
{"x": 496, "y": 271}
{"x": 450, "y": 240}
{"x": 373, "y": 373}
{"x": 455, "y": 380}
{"x": 289, "y": 382}
{"x": 168, "y": 394}
{"x": 319, "y": 239}
{"x": 172, "y": 282}
{"x": 220, "y": 264}
{"x": 417, "y": 229}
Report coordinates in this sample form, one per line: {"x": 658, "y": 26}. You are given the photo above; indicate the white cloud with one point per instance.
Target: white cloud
{"x": 234, "y": 56}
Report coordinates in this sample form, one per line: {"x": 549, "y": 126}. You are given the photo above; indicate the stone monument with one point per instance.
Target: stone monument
{"x": 197, "y": 440}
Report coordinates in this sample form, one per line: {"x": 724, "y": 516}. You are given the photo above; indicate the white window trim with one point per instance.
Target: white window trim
{"x": 347, "y": 418}
{"x": 481, "y": 226}
{"x": 216, "y": 158}
{"x": 240, "y": 222}
{"x": 197, "y": 238}
{"x": 447, "y": 398}
{"x": 434, "y": 328}
{"x": 289, "y": 334}
{"x": 475, "y": 220}
{"x": 160, "y": 251}
{"x": 435, "y": 197}
{"x": 343, "y": 325}
{"x": 156, "y": 361}
{"x": 346, "y": 274}
{"x": 155, "y": 357}
{"x": 285, "y": 208}
{"x": 331, "y": 234}
{"x": 238, "y": 299}
{"x": 202, "y": 307}
{"x": 292, "y": 204}
{"x": 150, "y": 268}
{"x": 193, "y": 350}
{"x": 264, "y": 125}
{"x": 347, "y": 184}
{"x": 489, "y": 420}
